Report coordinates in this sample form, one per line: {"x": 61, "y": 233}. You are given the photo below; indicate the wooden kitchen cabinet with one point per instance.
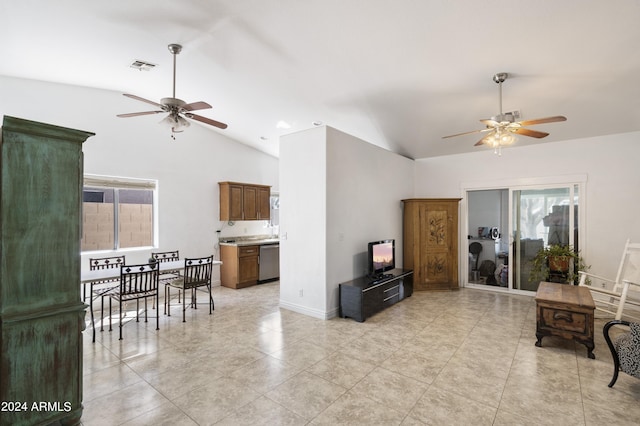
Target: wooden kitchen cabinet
{"x": 430, "y": 242}
{"x": 242, "y": 201}
{"x": 264, "y": 202}
{"x": 240, "y": 265}
{"x": 231, "y": 201}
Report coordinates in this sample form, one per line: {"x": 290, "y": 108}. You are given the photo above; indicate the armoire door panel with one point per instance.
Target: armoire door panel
{"x": 431, "y": 242}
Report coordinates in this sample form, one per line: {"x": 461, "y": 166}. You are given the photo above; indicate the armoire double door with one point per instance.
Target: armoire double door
{"x": 430, "y": 242}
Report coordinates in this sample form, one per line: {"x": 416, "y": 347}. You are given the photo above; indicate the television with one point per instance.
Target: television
{"x": 381, "y": 256}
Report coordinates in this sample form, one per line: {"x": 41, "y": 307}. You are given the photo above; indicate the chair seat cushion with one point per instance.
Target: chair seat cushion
{"x": 627, "y": 346}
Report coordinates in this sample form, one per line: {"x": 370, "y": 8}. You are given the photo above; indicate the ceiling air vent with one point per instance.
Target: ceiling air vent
{"x": 142, "y": 65}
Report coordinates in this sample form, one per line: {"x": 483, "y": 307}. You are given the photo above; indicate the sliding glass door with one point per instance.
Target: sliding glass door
{"x": 541, "y": 217}
{"x": 508, "y": 226}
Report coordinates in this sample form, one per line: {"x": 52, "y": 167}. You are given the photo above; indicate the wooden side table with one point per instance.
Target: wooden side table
{"x": 566, "y": 311}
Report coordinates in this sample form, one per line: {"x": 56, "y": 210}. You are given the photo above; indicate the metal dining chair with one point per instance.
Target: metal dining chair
{"x": 102, "y": 287}
{"x": 167, "y": 256}
{"x": 196, "y": 274}
{"x": 97, "y": 263}
{"x": 136, "y": 282}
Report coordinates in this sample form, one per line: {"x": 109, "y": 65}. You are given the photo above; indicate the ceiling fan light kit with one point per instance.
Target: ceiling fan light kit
{"x": 499, "y": 138}
{"x": 503, "y": 127}
{"x": 178, "y": 109}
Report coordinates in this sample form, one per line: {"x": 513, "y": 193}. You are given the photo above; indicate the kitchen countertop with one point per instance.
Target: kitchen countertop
{"x": 249, "y": 240}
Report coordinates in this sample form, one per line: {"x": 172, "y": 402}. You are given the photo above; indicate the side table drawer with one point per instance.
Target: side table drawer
{"x": 559, "y": 319}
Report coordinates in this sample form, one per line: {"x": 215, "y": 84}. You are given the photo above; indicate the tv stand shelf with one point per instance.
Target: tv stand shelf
{"x": 364, "y": 296}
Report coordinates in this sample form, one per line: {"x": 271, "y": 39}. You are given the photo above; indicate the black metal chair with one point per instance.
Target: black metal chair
{"x": 97, "y": 263}
{"x": 167, "y": 256}
{"x": 475, "y": 248}
{"x": 625, "y": 350}
{"x": 196, "y": 274}
{"x": 136, "y": 282}
{"x": 102, "y": 287}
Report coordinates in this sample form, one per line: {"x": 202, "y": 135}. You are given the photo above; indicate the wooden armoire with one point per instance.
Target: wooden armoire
{"x": 430, "y": 242}
{"x": 41, "y": 313}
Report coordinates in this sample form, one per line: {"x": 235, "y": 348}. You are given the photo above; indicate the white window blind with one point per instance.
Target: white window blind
{"x": 119, "y": 182}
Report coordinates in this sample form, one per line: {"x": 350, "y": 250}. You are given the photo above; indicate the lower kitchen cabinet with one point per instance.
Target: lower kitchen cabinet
{"x": 240, "y": 265}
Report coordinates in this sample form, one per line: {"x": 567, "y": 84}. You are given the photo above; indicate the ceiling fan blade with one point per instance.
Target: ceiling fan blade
{"x": 138, "y": 98}
{"x": 490, "y": 123}
{"x": 207, "y": 121}
{"x": 531, "y": 133}
{"x": 467, "y": 133}
{"x": 135, "y": 114}
{"x": 543, "y": 120}
{"x": 194, "y": 106}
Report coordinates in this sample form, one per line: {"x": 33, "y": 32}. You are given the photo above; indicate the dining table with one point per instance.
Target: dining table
{"x": 101, "y": 281}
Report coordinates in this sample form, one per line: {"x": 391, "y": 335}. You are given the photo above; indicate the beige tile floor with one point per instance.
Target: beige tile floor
{"x": 444, "y": 358}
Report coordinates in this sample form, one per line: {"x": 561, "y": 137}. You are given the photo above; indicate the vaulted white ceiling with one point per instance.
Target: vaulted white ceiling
{"x": 397, "y": 73}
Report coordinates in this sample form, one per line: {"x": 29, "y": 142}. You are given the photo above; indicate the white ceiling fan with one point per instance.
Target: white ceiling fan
{"x": 178, "y": 109}
{"x": 503, "y": 126}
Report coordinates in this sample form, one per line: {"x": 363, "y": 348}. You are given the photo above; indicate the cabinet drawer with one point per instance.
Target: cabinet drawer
{"x": 391, "y": 293}
{"x": 559, "y": 319}
{"x": 248, "y": 251}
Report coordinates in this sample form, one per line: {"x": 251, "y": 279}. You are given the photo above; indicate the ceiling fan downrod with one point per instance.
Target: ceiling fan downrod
{"x": 174, "y": 49}
{"x": 500, "y": 78}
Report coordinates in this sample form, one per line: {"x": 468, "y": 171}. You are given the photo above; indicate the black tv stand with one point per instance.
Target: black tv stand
{"x": 362, "y": 297}
{"x": 376, "y": 278}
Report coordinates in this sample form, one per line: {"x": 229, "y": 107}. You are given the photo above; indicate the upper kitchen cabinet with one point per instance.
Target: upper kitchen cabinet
{"x": 243, "y": 201}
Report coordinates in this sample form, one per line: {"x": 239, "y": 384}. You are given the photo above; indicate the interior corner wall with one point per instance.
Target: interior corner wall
{"x": 610, "y": 199}
{"x": 365, "y": 186}
{"x": 303, "y": 210}
{"x": 338, "y": 192}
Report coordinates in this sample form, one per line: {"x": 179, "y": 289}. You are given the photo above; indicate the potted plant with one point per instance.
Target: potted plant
{"x": 557, "y": 263}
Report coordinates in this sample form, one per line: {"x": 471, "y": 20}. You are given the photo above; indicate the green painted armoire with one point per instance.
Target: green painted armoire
{"x": 41, "y": 313}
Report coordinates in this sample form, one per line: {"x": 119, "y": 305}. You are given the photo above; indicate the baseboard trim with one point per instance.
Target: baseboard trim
{"x": 315, "y": 313}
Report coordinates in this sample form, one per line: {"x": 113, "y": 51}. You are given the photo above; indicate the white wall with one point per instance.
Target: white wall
{"x": 365, "y": 184}
{"x": 188, "y": 169}
{"x": 337, "y": 193}
{"x": 610, "y": 164}
{"x": 303, "y": 221}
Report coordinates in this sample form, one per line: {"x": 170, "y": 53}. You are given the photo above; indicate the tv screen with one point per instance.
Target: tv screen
{"x": 381, "y": 256}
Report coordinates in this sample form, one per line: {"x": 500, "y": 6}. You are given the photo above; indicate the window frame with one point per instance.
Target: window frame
{"x": 117, "y": 183}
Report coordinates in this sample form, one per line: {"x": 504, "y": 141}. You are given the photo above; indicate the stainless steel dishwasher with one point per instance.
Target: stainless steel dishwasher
{"x": 269, "y": 262}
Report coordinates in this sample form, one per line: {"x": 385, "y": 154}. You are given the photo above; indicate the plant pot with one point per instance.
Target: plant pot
{"x": 559, "y": 263}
